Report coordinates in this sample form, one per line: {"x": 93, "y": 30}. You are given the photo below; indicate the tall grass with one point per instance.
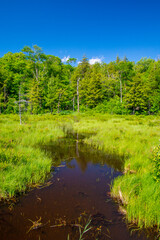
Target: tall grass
{"x": 22, "y": 163}
{"x": 133, "y": 137}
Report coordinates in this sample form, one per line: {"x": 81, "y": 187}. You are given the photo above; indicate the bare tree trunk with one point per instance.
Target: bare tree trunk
{"x": 37, "y": 76}
{"x": 78, "y": 94}
{"x": 120, "y": 79}
{"x": 73, "y": 103}
{"x": 134, "y": 110}
{"x": 36, "y": 73}
{"x": 20, "y": 106}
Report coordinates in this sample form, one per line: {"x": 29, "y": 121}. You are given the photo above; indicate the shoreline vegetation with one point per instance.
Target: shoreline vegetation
{"x": 22, "y": 163}
{"x": 136, "y": 138}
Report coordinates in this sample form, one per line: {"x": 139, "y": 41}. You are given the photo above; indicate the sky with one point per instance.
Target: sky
{"x": 99, "y": 29}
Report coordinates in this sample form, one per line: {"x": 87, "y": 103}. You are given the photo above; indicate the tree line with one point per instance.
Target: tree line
{"x": 34, "y": 82}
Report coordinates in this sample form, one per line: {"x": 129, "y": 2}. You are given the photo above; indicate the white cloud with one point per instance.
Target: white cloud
{"x": 65, "y": 59}
{"x": 95, "y": 60}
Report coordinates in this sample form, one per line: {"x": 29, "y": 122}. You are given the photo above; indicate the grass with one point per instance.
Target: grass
{"x": 22, "y": 163}
{"x": 131, "y": 137}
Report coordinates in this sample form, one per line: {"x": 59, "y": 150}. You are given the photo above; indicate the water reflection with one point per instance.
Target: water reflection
{"x": 72, "y": 147}
{"x": 80, "y": 187}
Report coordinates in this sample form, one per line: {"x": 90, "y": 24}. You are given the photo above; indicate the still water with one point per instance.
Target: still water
{"x": 77, "y": 193}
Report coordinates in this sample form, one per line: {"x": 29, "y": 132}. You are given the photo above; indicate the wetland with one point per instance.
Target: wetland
{"x": 66, "y": 177}
{"x": 77, "y": 192}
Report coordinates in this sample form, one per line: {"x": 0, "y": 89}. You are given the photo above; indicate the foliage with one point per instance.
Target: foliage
{"x": 114, "y": 106}
{"x": 47, "y": 84}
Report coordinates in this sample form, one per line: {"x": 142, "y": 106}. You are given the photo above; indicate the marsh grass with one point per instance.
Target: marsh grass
{"x": 22, "y": 163}
{"x": 132, "y": 138}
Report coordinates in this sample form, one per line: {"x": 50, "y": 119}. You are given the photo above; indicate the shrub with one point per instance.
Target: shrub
{"x": 114, "y": 106}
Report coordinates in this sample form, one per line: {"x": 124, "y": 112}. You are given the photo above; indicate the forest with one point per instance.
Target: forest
{"x": 80, "y": 102}
{"x": 40, "y": 83}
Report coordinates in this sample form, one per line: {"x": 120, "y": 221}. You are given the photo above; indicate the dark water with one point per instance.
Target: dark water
{"x": 79, "y": 188}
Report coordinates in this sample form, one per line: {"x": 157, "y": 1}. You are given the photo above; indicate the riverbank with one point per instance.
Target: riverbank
{"x": 134, "y": 138}
{"x": 22, "y": 164}
{"x": 130, "y": 137}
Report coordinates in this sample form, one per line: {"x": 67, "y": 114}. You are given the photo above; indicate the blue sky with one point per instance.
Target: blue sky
{"x": 99, "y": 29}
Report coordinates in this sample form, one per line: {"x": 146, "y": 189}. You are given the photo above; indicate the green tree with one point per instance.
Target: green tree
{"x": 82, "y": 69}
{"x": 137, "y": 95}
{"x": 91, "y": 87}
{"x": 36, "y": 58}
{"x": 13, "y": 73}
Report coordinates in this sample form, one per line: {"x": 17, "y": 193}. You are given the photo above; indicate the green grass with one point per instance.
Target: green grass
{"x": 131, "y": 137}
{"x": 22, "y": 163}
